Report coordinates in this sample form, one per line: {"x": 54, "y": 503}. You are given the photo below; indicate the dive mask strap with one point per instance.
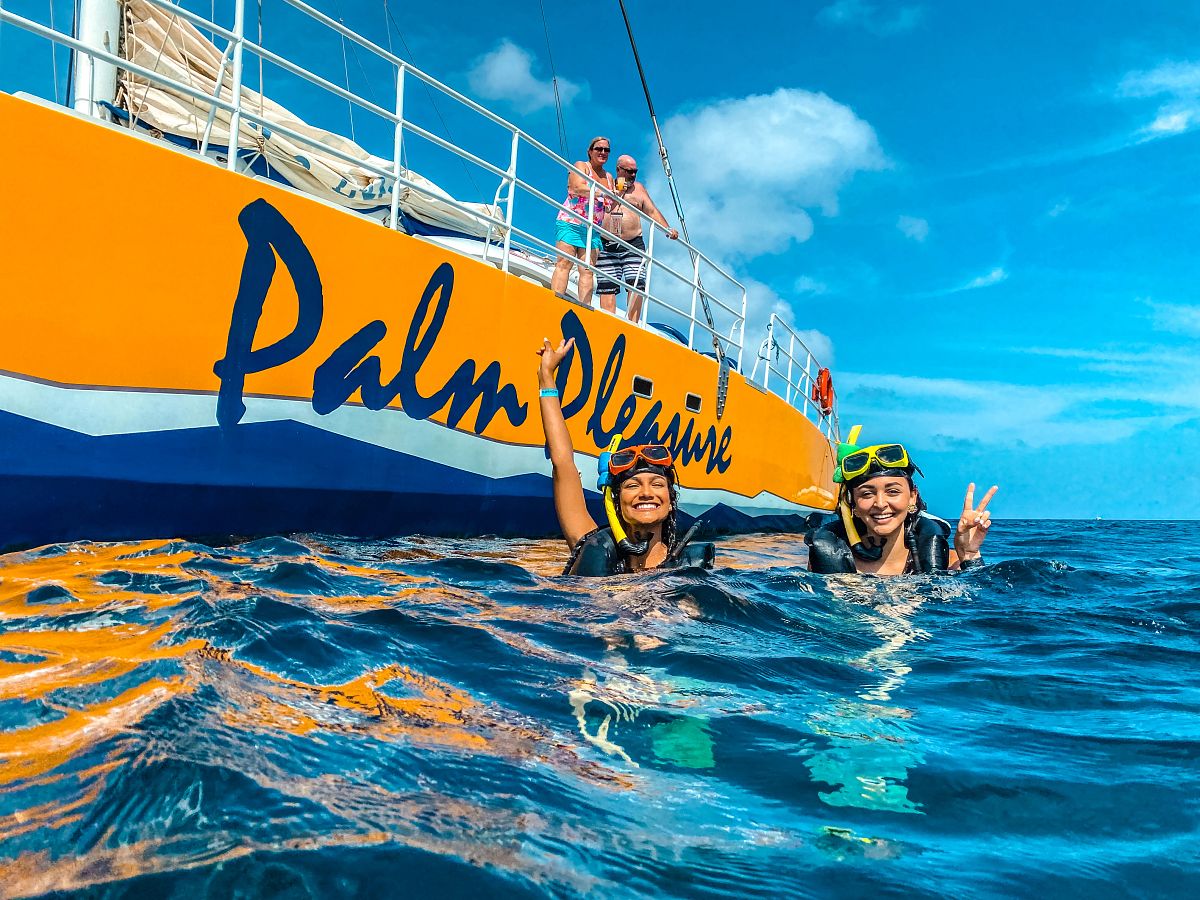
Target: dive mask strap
{"x": 604, "y": 483}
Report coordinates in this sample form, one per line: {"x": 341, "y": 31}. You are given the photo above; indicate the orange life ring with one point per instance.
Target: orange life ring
{"x": 822, "y": 392}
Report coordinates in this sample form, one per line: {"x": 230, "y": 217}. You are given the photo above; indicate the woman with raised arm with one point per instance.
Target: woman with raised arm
{"x": 640, "y": 488}
{"x": 882, "y": 527}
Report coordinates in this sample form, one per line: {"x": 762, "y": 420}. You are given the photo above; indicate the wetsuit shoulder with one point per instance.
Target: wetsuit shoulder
{"x": 829, "y": 550}
{"x": 595, "y": 556}
{"x": 931, "y": 544}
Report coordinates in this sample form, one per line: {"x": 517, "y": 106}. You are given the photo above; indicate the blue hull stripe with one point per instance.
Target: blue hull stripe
{"x": 256, "y": 479}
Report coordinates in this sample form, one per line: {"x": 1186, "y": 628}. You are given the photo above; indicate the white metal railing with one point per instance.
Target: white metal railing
{"x": 678, "y": 292}
{"x": 785, "y": 355}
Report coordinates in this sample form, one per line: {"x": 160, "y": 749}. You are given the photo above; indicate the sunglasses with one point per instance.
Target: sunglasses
{"x": 624, "y": 460}
{"x": 627, "y": 171}
{"x": 890, "y": 456}
{"x": 602, "y": 149}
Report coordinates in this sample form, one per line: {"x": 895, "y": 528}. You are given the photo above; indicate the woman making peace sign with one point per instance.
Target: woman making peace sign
{"x": 883, "y": 528}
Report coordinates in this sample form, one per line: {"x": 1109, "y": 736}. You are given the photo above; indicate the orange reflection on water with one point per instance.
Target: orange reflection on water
{"x": 76, "y": 571}
{"x": 40, "y": 660}
{"x": 30, "y": 752}
{"x": 436, "y": 715}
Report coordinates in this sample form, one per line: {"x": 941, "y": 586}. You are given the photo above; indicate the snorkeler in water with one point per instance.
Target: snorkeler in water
{"x": 640, "y": 488}
{"x": 882, "y": 526}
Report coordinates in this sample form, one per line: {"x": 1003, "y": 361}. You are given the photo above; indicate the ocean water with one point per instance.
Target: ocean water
{"x": 313, "y": 716}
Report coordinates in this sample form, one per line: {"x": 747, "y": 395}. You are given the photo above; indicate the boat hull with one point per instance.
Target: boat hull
{"x": 192, "y": 352}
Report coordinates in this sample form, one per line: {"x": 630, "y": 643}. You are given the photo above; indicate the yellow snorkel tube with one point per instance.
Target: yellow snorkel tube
{"x": 604, "y": 483}
{"x": 858, "y": 546}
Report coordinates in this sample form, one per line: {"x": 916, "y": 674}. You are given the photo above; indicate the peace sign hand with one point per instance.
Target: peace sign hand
{"x": 973, "y": 524}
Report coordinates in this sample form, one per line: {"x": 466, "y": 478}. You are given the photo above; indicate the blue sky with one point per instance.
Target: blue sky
{"x": 985, "y": 215}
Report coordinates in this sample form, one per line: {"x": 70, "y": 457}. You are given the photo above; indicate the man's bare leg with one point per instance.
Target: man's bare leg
{"x": 635, "y": 308}
{"x": 608, "y": 303}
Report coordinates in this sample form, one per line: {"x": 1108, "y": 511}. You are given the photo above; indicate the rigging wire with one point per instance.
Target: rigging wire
{"x": 70, "y": 86}
{"x": 346, "y": 70}
{"x": 662, "y": 152}
{"x": 432, "y": 99}
{"x": 388, "y": 33}
{"x": 261, "y": 89}
{"x": 562, "y": 125}
{"x": 53, "y": 55}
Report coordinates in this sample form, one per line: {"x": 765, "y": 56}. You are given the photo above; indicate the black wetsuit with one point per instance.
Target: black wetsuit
{"x": 829, "y": 550}
{"x": 597, "y": 554}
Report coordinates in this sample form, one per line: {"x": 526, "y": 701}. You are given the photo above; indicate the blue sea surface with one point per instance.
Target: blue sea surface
{"x": 314, "y": 716}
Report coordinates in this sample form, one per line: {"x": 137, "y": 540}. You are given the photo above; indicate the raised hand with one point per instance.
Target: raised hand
{"x": 973, "y": 524}
{"x": 552, "y": 357}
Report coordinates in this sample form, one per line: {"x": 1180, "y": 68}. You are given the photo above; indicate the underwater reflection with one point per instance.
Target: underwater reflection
{"x": 874, "y": 743}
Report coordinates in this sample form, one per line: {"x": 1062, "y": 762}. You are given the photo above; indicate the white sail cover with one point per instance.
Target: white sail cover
{"x": 166, "y": 44}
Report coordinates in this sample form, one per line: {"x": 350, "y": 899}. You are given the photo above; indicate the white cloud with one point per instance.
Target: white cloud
{"x": 1059, "y": 208}
{"x": 761, "y": 302}
{"x": 1177, "y": 87}
{"x": 806, "y": 284}
{"x": 877, "y": 18}
{"x": 1177, "y": 318}
{"x": 506, "y": 73}
{"x": 753, "y": 166}
{"x": 913, "y": 227}
{"x": 995, "y": 276}
{"x": 1031, "y": 415}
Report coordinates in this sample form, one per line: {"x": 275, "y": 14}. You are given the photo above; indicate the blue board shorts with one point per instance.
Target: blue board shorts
{"x": 575, "y": 234}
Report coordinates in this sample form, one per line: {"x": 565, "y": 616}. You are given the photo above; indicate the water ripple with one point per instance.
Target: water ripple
{"x": 312, "y": 715}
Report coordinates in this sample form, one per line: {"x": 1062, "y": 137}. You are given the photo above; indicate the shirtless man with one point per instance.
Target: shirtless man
{"x": 618, "y": 263}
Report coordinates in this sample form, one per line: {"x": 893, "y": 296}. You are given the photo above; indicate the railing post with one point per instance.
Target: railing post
{"x": 591, "y": 226}
{"x": 742, "y": 331}
{"x": 235, "y": 121}
{"x": 512, "y": 194}
{"x": 807, "y": 380}
{"x": 397, "y": 146}
{"x": 791, "y": 356}
{"x": 770, "y": 352}
{"x": 212, "y": 109}
{"x": 645, "y": 323}
{"x": 695, "y": 299}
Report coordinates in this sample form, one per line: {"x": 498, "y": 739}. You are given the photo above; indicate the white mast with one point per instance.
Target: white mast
{"x": 95, "y": 80}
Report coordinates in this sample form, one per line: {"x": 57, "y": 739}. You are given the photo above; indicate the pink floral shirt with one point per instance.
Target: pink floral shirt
{"x": 575, "y": 207}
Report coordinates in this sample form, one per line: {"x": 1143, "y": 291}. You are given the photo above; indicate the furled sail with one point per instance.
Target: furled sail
{"x": 169, "y": 45}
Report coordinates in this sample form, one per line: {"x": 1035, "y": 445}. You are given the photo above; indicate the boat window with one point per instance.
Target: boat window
{"x": 693, "y": 402}
{"x": 643, "y": 387}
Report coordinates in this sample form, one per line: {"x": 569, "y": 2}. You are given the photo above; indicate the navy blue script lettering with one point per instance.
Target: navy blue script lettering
{"x": 348, "y": 368}
{"x": 265, "y": 228}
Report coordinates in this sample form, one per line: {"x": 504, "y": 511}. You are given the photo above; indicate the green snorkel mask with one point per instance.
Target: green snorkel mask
{"x": 856, "y": 463}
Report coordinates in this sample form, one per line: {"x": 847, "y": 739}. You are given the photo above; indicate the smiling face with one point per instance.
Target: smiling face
{"x": 645, "y": 499}
{"x": 882, "y": 503}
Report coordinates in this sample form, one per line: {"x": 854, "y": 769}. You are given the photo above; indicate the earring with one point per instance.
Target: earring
{"x": 912, "y": 508}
